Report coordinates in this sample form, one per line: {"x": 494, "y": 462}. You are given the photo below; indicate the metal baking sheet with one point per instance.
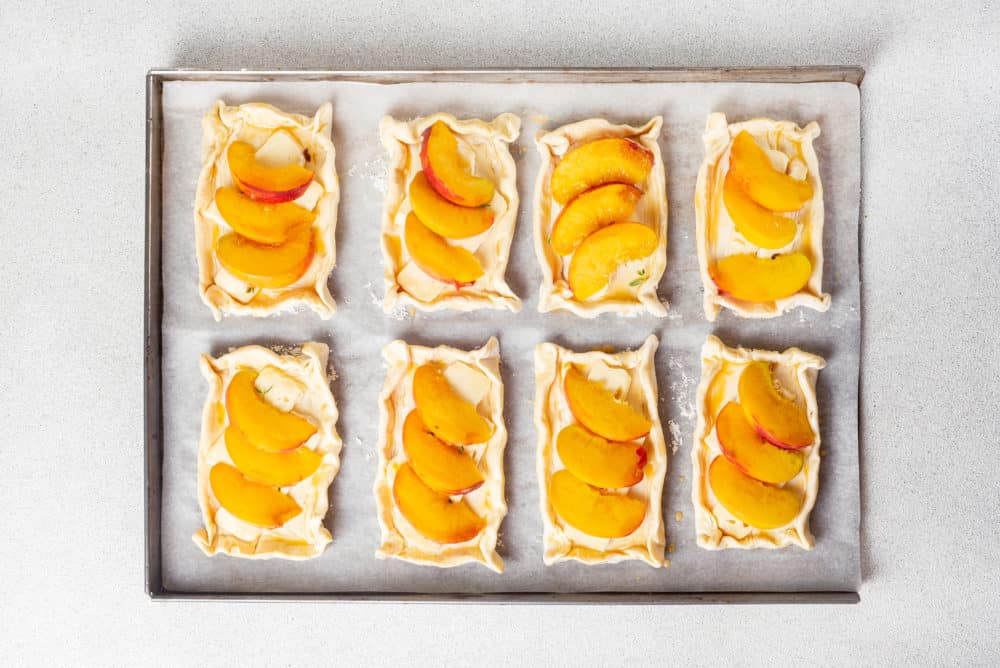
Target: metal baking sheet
{"x": 179, "y": 328}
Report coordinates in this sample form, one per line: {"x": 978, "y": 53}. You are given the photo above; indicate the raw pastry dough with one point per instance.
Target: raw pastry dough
{"x": 399, "y": 539}
{"x": 303, "y": 536}
{"x": 721, "y": 366}
{"x": 486, "y": 148}
{"x": 791, "y": 149}
{"x": 552, "y": 413}
{"x": 254, "y": 124}
{"x": 619, "y": 297}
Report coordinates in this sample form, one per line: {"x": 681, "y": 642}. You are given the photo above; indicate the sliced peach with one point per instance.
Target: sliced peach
{"x": 451, "y": 418}
{"x": 601, "y": 253}
{"x": 752, "y": 454}
{"x": 265, "y": 184}
{"x": 758, "y": 504}
{"x": 608, "y": 160}
{"x": 250, "y": 501}
{"x": 591, "y": 210}
{"x": 267, "y": 266}
{"x": 447, "y": 263}
{"x": 265, "y": 426}
{"x": 258, "y": 221}
{"x": 761, "y": 279}
{"x": 441, "y": 466}
{"x": 278, "y": 469}
{"x": 599, "y": 462}
{"x": 598, "y": 410}
{"x": 758, "y": 225}
{"x": 447, "y": 219}
{"x": 778, "y": 419}
{"x": 593, "y": 511}
{"x": 753, "y": 171}
{"x": 448, "y": 173}
{"x": 432, "y": 514}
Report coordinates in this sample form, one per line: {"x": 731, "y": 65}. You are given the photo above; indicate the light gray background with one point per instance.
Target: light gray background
{"x": 71, "y": 109}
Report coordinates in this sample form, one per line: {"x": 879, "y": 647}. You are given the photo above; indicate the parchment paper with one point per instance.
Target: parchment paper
{"x": 359, "y": 329}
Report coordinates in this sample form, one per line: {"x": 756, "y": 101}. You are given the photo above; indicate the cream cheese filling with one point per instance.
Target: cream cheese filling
{"x": 631, "y": 376}
{"x": 296, "y": 382}
{"x": 256, "y": 124}
{"x": 466, "y": 371}
{"x": 485, "y": 146}
{"x": 794, "y": 372}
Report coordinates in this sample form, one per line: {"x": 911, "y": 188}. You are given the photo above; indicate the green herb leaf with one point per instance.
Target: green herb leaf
{"x": 636, "y": 282}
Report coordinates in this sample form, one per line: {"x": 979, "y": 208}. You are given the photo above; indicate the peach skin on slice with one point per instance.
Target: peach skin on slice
{"x": 447, "y": 263}
{"x": 753, "y": 455}
{"x": 593, "y": 511}
{"x": 758, "y": 504}
{"x": 434, "y": 515}
{"x": 752, "y": 170}
{"x": 761, "y": 279}
{"x": 608, "y": 160}
{"x": 265, "y": 184}
{"x": 267, "y": 266}
{"x": 759, "y": 226}
{"x": 259, "y": 221}
{"x": 449, "y": 220}
{"x": 598, "y": 410}
{"x": 265, "y": 426}
{"x": 447, "y": 172}
{"x": 779, "y": 420}
{"x": 591, "y": 210}
{"x": 601, "y": 253}
{"x": 249, "y": 501}
{"x": 444, "y": 412}
{"x": 442, "y": 467}
{"x": 599, "y": 462}
{"x": 278, "y": 469}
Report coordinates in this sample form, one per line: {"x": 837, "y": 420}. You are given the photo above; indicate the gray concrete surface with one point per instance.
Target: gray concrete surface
{"x": 71, "y": 113}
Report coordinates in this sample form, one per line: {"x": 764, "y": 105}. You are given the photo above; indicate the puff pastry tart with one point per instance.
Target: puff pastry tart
{"x": 268, "y": 452}
{"x": 601, "y": 456}
{"x": 440, "y": 482}
{"x": 600, "y": 218}
{"x": 759, "y": 205}
{"x": 756, "y": 447}
{"x": 449, "y": 215}
{"x": 266, "y": 210}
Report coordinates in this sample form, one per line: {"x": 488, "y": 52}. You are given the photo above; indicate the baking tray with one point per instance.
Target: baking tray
{"x": 729, "y": 328}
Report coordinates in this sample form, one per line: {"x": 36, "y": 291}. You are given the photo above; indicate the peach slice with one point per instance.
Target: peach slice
{"x": 444, "y": 468}
{"x": 753, "y": 171}
{"x": 258, "y": 221}
{"x": 779, "y": 420}
{"x": 758, "y": 504}
{"x": 601, "y": 253}
{"x": 591, "y": 210}
{"x": 608, "y": 160}
{"x": 267, "y": 266}
{"x": 598, "y": 410}
{"x": 759, "y": 226}
{"x": 434, "y": 515}
{"x": 447, "y": 219}
{"x": 265, "y": 184}
{"x": 599, "y": 462}
{"x": 451, "y": 418}
{"x": 753, "y": 455}
{"x": 250, "y": 501}
{"x": 447, "y": 172}
{"x": 447, "y": 263}
{"x": 278, "y": 469}
{"x": 761, "y": 279}
{"x": 265, "y": 426}
{"x": 593, "y": 511}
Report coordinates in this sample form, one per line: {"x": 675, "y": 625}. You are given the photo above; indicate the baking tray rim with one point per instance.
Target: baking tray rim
{"x": 153, "y": 310}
